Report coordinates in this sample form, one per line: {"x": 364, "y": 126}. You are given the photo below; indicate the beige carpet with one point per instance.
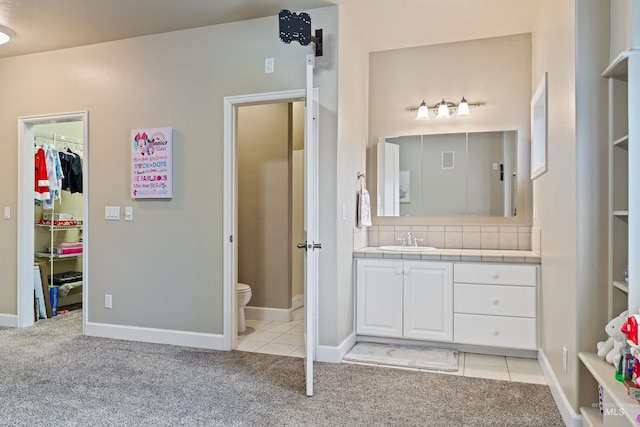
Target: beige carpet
{"x": 52, "y": 375}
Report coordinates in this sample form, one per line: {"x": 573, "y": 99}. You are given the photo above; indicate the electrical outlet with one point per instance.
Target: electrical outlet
{"x": 565, "y": 358}
{"x": 269, "y": 65}
{"x": 108, "y": 302}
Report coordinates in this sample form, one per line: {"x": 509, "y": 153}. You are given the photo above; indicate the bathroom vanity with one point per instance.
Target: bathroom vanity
{"x": 477, "y": 298}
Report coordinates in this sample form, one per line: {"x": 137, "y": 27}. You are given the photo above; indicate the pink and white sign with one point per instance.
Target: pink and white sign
{"x": 151, "y": 155}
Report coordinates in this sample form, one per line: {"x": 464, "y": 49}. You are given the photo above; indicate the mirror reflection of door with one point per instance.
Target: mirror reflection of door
{"x": 457, "y": 174}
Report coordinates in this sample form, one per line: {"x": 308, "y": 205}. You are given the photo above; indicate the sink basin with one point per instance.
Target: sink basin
{"x": 407, "y": 248}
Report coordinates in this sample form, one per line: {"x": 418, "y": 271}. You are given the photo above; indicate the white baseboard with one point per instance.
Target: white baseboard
{"x": 297, "y": 302}
{"x": 156, "y": 336}
{"x": 332, "y": 354}
{"x": 569, "y": 416}
{"x": 9, "y": 320}
{"x": 266, "y": 313}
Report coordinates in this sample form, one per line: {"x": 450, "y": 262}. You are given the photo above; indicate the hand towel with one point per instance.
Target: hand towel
{"x": 364, "y": 208}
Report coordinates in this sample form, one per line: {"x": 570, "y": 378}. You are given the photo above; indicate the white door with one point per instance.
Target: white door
{"x": 311, "y": 246}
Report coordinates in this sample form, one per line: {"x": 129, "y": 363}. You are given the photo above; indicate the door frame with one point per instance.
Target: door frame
{"x": 26, "y": 216}
{"x": 230, "y": 221}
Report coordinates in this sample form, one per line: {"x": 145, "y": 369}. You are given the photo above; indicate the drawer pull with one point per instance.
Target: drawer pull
{"x": 495, "y": 275}
{"x": 494, "y": 332}
{"x": 494, "y": 301}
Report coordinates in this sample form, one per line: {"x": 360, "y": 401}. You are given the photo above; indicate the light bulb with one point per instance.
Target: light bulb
{"x": 423, "y": 112}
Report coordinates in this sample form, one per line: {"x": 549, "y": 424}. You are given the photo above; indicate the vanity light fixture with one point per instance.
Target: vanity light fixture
{"x": 423, "y": 112}
{"x": 5, "y": 34}
{"x": 444, "y": 109}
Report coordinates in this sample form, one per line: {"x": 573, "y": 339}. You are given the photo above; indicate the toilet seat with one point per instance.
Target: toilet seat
{"x": 242, "y": 288}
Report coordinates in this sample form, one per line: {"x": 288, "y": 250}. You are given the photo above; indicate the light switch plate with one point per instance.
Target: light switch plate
{"x": 128, "y": 213}
{"x": 7, "y": 212}
{"x": 112, "y": 213}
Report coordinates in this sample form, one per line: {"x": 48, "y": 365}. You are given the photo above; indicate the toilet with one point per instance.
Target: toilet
{"x": 244, "y": 295}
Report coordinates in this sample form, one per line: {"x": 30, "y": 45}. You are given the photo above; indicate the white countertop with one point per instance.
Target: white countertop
{"x": 471, "y": 255}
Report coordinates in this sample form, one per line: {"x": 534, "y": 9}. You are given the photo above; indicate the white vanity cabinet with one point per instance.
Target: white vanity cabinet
{"x": 496, "y": 305}
{"x": 404, "y": 299}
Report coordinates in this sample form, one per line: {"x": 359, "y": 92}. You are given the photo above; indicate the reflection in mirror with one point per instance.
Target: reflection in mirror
{"x": 472, "y": 174}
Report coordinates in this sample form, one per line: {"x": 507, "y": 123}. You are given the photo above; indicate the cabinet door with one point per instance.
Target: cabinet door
{"x": 428, "y": 300}
{"x": 379, "y": 298}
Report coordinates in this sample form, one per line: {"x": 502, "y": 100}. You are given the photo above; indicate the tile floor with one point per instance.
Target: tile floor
{"x": 287, "y": 339}
{"x": 281, "y": 338}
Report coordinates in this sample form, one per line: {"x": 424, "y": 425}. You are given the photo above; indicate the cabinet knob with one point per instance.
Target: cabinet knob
{"x": 494, "y": 301}
{"x": 495, "y": 275}
{"x": 494, "y": 332}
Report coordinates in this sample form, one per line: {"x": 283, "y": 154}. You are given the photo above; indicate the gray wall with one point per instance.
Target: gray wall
{"x": 494, "y": 71}
{"x": 571, "y": 43}
{"x": 164, "y": 269}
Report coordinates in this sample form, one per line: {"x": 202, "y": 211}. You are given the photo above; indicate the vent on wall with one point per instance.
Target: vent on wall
{"x": 447, "y": 160}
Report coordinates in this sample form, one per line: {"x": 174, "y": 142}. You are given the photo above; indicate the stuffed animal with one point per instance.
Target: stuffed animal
{"x": 610, "y": 349}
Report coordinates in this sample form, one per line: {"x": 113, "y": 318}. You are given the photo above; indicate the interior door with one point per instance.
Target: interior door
{"x": 311, "y": 246}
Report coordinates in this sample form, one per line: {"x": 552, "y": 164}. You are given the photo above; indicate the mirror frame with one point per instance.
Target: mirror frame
{"x": 539, "y": 129}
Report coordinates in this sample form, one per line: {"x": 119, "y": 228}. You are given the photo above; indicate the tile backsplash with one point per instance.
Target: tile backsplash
{"x": 448, "y": 236}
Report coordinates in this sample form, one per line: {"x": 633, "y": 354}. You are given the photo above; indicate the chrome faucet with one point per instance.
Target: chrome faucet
{"x": 407, "y": 240}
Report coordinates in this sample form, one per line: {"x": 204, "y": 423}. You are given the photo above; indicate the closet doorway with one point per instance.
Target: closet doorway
{"x": 52, "y": 225}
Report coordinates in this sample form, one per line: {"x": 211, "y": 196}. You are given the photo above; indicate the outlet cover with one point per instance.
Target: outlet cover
{"x": 269, "y": 65}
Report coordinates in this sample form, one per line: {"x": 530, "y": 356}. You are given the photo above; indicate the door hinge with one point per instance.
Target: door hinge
{"x": 231, "y": 238}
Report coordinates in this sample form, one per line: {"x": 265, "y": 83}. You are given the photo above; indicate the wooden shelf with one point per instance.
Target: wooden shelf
{"x": 604, "y": 374}
{"x": 621, "y": 213}
{"x": 622, "y": 142}
{"x": 619, "y": 68}
{"x": 591, "y": 417}
{"x": 623, "y": 286}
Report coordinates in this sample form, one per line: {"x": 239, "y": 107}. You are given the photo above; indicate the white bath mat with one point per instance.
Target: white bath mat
{"x": 434, "y": 359}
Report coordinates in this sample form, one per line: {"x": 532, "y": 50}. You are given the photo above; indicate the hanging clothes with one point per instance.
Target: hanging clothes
{"x": 71, "y": 164}
{"x": 55, "y": 175}
{"x": 41, "y": 175}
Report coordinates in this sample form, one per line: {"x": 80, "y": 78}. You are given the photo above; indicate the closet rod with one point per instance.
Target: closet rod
{"x": 58, "y": 138}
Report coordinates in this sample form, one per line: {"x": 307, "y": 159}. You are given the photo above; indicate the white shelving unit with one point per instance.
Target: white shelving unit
{"x": 620, "y": 408}
{"x": 623, "y": 76}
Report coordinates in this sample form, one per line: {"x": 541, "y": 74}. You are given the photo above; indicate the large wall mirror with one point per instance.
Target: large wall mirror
{"x": 467, "y": 173}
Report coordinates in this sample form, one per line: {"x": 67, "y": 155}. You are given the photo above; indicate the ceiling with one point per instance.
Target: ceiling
{"x": 384, "y": 24}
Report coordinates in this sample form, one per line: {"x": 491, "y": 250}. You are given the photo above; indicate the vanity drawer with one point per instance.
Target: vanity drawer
{"x": 495, "y": 274}
{"x": 495, "y": 331}
{"x": 497, "y": 300}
